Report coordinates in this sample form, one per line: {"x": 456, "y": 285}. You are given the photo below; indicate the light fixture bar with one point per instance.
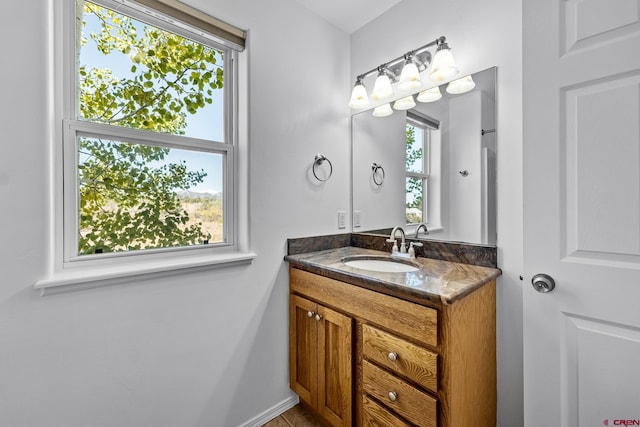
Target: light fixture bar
{"x": 402, "y": 58}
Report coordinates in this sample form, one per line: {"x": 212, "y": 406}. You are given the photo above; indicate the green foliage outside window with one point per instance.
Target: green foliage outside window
{"x": 414, "y": 188}
{"x": 128, "y": 192}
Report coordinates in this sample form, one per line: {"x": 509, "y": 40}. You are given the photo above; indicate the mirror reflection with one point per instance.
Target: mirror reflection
{"x": 432, "y": 164}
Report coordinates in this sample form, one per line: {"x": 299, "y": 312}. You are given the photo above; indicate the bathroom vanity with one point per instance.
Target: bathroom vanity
{"x": 385, "y": 348}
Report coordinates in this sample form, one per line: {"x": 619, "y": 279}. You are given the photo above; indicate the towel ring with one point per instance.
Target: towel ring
{"x": 318, "y": 161}
{"x": 376, "y": 176}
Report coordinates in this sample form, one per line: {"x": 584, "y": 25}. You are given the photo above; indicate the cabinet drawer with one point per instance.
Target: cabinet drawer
{"x": 409, "y": 402}
{"x": 402, "y": 357}
{"x": 375, "y": 415}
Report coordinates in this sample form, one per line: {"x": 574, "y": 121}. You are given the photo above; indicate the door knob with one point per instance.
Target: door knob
{"x": 543, "y": 283}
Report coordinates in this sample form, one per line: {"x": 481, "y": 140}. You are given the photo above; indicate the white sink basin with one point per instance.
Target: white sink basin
{"x": 381, "y": 265}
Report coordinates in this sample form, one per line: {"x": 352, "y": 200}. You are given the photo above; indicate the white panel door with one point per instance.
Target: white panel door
{"x": 582, "y": 212}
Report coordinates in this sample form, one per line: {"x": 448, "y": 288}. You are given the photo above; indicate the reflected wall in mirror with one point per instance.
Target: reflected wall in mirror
{"x": 438, "y": 161}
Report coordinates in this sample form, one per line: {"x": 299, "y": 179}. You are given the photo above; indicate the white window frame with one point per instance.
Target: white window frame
{"x": 70, "y": 272}
{"x": 424, "y": 175}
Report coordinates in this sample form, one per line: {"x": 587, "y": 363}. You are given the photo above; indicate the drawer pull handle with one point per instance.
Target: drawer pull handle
{"x": 393, "y": 396}
{"x": 309, "y": 313}
{"x": 393, "y": 356}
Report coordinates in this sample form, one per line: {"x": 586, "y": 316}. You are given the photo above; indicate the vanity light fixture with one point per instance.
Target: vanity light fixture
{"x": 406, "y": 71}
{"x": 383, "y": 110}
{"x": 443, "y": 67}
{"x": 405, "y": 103}
{"x": 429, "y": 95}
{"x": 359, "y": 98}
{"x": 382, "y": 87}
{"x": 410, "y": 75}
{"x": 462, "y": 85}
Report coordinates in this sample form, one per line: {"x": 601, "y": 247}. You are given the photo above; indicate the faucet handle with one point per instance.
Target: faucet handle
{"x": 412, "y": 252}
{"x": 395, "y": 244}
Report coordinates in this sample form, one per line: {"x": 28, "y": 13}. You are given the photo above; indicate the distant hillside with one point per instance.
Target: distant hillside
{"x": 185, "y": 194}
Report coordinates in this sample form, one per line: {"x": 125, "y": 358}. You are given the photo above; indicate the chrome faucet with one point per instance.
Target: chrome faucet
{"x": 420, "y": 226}
{"x": 392, "y": 239}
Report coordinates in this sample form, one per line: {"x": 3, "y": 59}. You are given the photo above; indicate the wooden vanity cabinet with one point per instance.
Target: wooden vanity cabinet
{"x": 320, "y": 359}
{"x": 425, "y": 365}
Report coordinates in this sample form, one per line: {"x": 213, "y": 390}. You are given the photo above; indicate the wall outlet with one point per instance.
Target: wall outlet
{"x": 342, "y": 219}
{"x": 357, "y": 219}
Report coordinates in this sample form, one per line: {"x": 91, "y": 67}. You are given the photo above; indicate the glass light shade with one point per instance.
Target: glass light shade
{"x": 443, "y": 66}
{"x": 405, "y": 103}
{"x": 430, "y": 95}
{"x": 382, "y": 111}
{"x": 463, "y": 85}
{"x": 359, "y": 98}
{"x": 409, "y": 77}
{"x": 382, "y": 88}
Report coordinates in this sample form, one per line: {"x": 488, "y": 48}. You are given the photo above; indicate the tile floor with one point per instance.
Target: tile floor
{"x": 294, "y": 417}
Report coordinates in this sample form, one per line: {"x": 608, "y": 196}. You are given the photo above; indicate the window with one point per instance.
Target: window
{"x": 149, "y": 147}
{"x": 148, "y": 142}
{"x": 418, "y": 162}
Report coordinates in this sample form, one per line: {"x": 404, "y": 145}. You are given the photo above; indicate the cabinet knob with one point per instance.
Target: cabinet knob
{"x": 393, "y": 396}
{"x": 309, "y": 313}
{"x": 393, "y": 356}
{"x": 318, "y": 317}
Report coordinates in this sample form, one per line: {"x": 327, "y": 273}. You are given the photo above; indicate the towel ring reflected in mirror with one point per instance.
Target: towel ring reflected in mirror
{"x": 377, "y": 172}
{"x": 317, "y": 162}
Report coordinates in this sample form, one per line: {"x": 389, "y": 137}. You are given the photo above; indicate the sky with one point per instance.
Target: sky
{"x": 208, "y": 123}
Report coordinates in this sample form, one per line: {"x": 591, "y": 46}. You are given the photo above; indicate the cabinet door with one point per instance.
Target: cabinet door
{"x": 335, "y": 383}
{"x": 303, "y": 339}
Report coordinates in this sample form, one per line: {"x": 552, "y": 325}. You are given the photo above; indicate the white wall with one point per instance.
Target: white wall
{"x": 207, "y": 348}
{"x": 481, "y": 34}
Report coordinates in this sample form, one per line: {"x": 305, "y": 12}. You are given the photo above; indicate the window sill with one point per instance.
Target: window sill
{"x": 81, "y": 278}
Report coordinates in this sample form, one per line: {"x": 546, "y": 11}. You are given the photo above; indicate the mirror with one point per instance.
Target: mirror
{"x": 434, "y": 163}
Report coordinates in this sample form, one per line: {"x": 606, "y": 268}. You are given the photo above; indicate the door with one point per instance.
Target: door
{"x": 303, "y": 340}
{"x": 334, "y": 366}
{"x": 582, "y": 211}
{"x": 320, "y": 359}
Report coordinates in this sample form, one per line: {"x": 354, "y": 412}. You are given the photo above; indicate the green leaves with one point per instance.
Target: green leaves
{"x": 125, "y": 203}
{"x": 413, "y": 185}
{"x": 167, "y": 70}
{"x": 128, "y": 193}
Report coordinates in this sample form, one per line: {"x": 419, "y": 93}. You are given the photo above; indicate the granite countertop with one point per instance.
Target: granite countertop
{"x": 436, "y": 282}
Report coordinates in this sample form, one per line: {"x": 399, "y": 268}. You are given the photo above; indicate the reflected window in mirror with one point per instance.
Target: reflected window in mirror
{"x": 422, "y": 141}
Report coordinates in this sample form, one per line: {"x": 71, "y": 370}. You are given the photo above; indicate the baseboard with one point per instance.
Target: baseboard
{"x": 272, "y": 412}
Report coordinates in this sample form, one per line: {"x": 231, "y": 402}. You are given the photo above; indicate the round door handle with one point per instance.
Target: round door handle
{"x": 309, "y": 313}
{"x": 393, "y": 356}
{"x": 318, "y": 317}
{"x": 543, "y": 283}
{"x": 393, "y": 396}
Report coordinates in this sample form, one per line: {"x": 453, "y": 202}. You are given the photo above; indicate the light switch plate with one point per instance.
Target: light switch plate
{"x": 342, "y": 219}
{"x": 357, "y": 219}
